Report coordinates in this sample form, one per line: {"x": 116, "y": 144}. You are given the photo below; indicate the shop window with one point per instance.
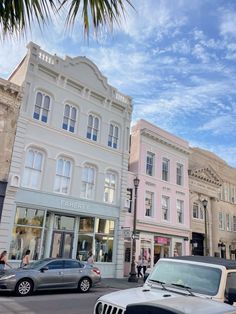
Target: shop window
{"x": 64, "y": 222}
{"x": 27, "y": 233}
{"x": 86, "y": 224}
{"x": 104, "y": 226}
{"x": 103, "y": 248}
{"x": 85, "y": 245}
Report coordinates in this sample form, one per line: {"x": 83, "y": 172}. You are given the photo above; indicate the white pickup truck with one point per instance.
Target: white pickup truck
{"x": 178, "y": 285}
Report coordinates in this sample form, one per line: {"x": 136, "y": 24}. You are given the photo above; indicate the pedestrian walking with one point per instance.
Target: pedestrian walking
{"x": 90, "y": 258}
{"x": 139, "y": 266}
{"x": 26, "y": 259}
{"x": 144, "y": 265}
{"x": 3, "y": 260}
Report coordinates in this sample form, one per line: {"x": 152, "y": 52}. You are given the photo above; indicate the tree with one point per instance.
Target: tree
{"x": 16, "y": 16}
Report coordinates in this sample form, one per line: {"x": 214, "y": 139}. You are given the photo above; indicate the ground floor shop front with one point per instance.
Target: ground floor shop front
{"x": 70, "y": 229}
{"x": 153, "y": 246}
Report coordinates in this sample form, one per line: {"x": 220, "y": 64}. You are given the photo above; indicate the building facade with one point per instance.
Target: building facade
{"x": 69, "y": 166}
{"x": 212, "y": 179}
{"x": 10, "y": 98}
{"x": 160, "y": 161}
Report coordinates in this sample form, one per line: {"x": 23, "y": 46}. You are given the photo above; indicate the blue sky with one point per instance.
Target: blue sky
{"x": 176, "y": 59}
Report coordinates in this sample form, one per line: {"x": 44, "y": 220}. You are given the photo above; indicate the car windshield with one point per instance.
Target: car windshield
{"x": 199, "y": 278}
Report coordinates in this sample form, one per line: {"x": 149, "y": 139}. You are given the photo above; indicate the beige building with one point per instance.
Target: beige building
{"x": 213, "y": 180}
{"x": 10, "y": 96}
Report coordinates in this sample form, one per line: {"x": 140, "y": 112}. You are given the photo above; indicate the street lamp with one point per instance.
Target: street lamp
{"x": 133, "y": 277}
{"x": 204, "y": 203}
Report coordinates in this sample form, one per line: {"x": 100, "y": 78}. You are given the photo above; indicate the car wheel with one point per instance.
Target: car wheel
{"x": 84, "y": 285}
{"x": 24, "y": 287}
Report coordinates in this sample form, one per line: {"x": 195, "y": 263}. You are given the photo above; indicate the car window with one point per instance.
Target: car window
{"x": 231, "y": 282}
{"x": 55, "y": 265}
{"x": 72, "y": 264}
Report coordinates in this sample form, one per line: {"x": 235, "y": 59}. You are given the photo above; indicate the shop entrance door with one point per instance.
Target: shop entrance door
{"x": 62, "y": 244}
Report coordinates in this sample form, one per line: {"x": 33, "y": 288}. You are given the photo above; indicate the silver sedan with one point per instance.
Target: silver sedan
{"x": 48, "y": 274}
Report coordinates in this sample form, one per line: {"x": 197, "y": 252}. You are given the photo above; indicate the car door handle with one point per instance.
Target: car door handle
{"x": 61, "y": 273}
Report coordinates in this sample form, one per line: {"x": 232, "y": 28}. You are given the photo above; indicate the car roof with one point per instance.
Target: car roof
{"x": 227, "y": 263}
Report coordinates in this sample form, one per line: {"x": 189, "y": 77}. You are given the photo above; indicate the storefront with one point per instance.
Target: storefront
{"x": 72, "y": 231}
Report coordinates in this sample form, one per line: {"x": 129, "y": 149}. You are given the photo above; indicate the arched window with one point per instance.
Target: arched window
{"x": 93, "y": 127}
{"x": 113, "y": 136}
{"x": 69, "y": 118}
{"x": 32, "y": 175}
{"x": 42, "y": 107}
{"x": 63, "y": 175}
{"x": 110, "y": 187}
{"x": 88, "y": 182}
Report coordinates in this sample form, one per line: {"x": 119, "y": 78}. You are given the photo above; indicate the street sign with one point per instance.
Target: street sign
{"x": 135, "y": 236}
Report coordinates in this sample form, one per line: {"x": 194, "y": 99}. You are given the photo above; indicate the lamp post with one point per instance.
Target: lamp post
{"x": 133, "y": 277}
{"x": 204, "y": 203}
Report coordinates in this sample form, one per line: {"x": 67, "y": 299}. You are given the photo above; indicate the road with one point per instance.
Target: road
{"x": 66, "y": 302}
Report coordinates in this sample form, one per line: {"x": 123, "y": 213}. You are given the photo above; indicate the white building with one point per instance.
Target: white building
{"x": 68, "y": 173}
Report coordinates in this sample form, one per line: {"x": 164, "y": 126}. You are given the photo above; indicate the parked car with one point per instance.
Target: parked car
{"x": 48, "y": 274}
{"x": 172, "y": 282}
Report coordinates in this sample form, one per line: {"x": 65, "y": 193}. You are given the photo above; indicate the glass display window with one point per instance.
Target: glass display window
{"x": 86, "y": 224}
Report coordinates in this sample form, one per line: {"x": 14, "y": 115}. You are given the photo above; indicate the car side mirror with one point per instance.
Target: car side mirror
{"x": 43, "y": 269}
{"x": 231, "y": 295}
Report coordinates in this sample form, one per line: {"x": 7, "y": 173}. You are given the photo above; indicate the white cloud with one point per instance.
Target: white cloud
{"x": 220, "y": 125}
{"x": 228, "y": 23}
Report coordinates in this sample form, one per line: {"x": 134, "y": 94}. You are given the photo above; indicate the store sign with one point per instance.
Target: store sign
{"x": 162, "y": 240}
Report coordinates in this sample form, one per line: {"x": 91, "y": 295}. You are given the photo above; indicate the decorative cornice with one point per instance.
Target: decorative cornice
{"x": 158, "y": 138}
{"x": 206, "y": 174}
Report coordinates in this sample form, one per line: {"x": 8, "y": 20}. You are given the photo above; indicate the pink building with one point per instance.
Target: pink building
{"x": 160, "y": 161}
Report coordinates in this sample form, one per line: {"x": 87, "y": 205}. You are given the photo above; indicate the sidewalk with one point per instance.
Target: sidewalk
{"x": 119, "y": 283}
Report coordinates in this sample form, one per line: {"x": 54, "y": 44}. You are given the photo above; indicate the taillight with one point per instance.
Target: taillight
{"x": 96, "y": 271}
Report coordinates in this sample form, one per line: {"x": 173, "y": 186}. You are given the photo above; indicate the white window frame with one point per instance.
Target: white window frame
{"x": 180, "y": 174}
{"x": 165, "y": 205}
{"x": 113, "y": 136}
{"x": 180, "y": 211}
{"x": 93, "y": 127}
{"x": 69, "y": 118}
{"x": 42, "y": 108}
{"x": 110, "y": 186}
{"x": 199, "y": 211}
{"x": 221, "y": 220}
{"x": 63, "y": 176}
{"x": 149, "y": 196}
{"x": 165, "y": 173}
{"x": 88, "y": 181}
{"x": 150, "y": 159}
{"x": 32, "y": 169}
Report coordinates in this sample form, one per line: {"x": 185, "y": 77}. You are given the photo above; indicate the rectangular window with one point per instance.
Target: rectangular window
{"x": 92, "y": 129}
{"x": 221, "y": 221}
{"x": 113, "y": 136}
{"x": 110, "y": 188}
{"x": 228, "y": 227}
{"x": 165, "y": 201}
{"x": 88, "y": 182}
{"x": 42, "y": 106}
{"x": 32, "y": 175}
{"x": 129, "y": 197}
{"x": 234, "y": 223}
{"x": 63, "y": 176}
{"x": 165, "y": 169}
{"x": 69, "y": 118}
{"x": 149, "y": 164}
{"x": 179, "y": 174}
{"x": 149, "y": 204}
{"x": 180, "y": 211}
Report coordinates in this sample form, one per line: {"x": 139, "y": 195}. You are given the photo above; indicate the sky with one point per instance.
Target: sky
{"x": 175, "y": 58}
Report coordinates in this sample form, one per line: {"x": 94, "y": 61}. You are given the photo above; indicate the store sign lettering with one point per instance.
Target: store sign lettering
{"x": 161, "y": 240}
{"x": 74, "y": 205}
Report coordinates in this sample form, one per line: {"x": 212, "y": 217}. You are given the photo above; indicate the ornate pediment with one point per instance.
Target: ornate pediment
{"x": 206, "y": 174}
